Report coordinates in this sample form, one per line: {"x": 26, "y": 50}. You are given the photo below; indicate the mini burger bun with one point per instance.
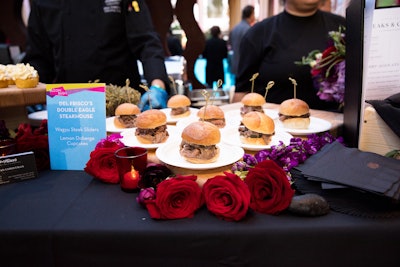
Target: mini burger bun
{"x": 254, "y": 141}
{"x": 210, "y": 112}
{"x": 178, "y": 101}
{"x": 127, "y": 109}
{"x": 295, "y": 107}
{"x": 296, "y": 123}
{"x": 259, "y": 122}
{"x": 151, "y": 119}
{"x": 201, "y": 133}
{"x": 253, "y": 100}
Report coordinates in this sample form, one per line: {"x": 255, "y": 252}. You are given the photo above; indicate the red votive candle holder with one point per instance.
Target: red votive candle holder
{"x": 7, "y": 147}
{"x": 131, "y": 162}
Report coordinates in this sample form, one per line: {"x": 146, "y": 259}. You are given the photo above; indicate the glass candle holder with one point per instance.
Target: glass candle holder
{"x": 131, "y": 162}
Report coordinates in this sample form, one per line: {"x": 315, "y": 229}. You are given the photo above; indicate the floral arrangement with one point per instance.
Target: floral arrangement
{"x": 328, "y": 68}
{"x": 261, "y": 183}
{"x": 265, "y": 190}
{"x": 27, "y": 138}
{"x": 285, "y": 156}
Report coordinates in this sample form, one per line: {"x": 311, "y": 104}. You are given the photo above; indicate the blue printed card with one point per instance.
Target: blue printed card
{"x": 76, "y": 122}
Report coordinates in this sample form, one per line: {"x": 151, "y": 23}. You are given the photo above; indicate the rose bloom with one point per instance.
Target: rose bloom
{"x": 153, "y": 175}
{"x": 102, "y": 164}
{"x": 176, "y": 198}
{"x": 36, "y": 141}
{"x": 145, "y": 194}
{"x": 270, "y": 189}
{"x": 227, "y": 196}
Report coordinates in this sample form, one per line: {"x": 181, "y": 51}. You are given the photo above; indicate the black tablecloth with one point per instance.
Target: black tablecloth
{"x": 65, "y": 218}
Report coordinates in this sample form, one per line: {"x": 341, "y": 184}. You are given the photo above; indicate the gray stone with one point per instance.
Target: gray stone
{"x": 309, "y": 205}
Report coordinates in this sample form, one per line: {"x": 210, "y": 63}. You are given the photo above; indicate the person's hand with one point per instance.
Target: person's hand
{"x": 156, "y": 97}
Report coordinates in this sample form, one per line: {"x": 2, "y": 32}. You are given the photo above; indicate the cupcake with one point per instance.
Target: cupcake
{"x": 25, "y": 76}
{"x": 10, "y": 73}
{"x": 4, "y": 77}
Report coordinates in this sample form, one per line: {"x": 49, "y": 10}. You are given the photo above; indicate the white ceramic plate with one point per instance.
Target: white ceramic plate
{"x": 38, "y": 115}
{"x": 169, "y": 154}
{"x": 167, "y": 111}
{"x": 129, "y": 138}
{"x": 317, "y": 125}
{"x": 111, "y": 128}
{"x": 232, "y": 137}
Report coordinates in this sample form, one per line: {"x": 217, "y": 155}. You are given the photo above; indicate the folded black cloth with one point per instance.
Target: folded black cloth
{"x": 389, "y": 110}
{"x": 337, "y": 164}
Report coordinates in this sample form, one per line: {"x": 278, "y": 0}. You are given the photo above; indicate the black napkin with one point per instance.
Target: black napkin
{"x": 351, "y": 167}
{"x": 389, "y": 110}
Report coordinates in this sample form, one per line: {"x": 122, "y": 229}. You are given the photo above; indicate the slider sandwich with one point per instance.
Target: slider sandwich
{"x": 180, "y": 106}
{"x": 125, "y": 115}
{"x": 256, "y": 129}
{"x": 213, "y": 114}
{"x": 252, "y": 102}
{"x": 199, "y": 140}
{"x": 294, "y": 114}
{"x": 151, "y": 127}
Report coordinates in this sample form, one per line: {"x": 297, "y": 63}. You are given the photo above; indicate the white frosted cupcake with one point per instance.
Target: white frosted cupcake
{"x": 10, "y": 73}
{"x": 4, "y": 77}
{"x": 25, "y": 76}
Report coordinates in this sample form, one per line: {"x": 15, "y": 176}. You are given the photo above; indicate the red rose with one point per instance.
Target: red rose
{"x": 270, "y": 189}
{"x": 228, "y": 197}
{"x": 102, "y": 164}
{"x": 36, "y": 142}
{"x": 176, "y": 198}
{"x": 327, "y": 52}
{"x": 40, "y": 147}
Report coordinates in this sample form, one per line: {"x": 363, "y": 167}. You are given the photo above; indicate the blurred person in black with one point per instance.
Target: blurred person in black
{"x": 174, "y": 44}
{"x": 79, "y": 41}
{"x": 215, "y": 51}
{"x": 236, "y": 35}
{"x": 271, "y": 48}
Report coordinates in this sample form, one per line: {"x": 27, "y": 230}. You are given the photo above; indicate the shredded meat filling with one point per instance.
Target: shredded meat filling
{"x": 156, "y": 135}
{"x": 246, "y": 132}
{"x": 285, "y": 117}
{"x": 220, "y": 123}
{"x": 246, "y": 109}
{"x": 179, "y": 111}
{"x": 197, "y": 151}
{"x": 128, "y": 121}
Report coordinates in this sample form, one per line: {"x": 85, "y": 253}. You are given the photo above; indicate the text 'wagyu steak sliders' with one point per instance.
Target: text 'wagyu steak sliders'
{"x": 256, "y": 129}
{"x": 151, "y": 127}
{"x": 252, "y": 102}
{"x": 180, "y": 106}
{"x": 294, "y": 114}
{"x": 199, "y": 141}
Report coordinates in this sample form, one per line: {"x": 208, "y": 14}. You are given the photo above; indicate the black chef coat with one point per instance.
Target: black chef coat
{"x": 80, "y": 41}
{"x": 271, "y": 47}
